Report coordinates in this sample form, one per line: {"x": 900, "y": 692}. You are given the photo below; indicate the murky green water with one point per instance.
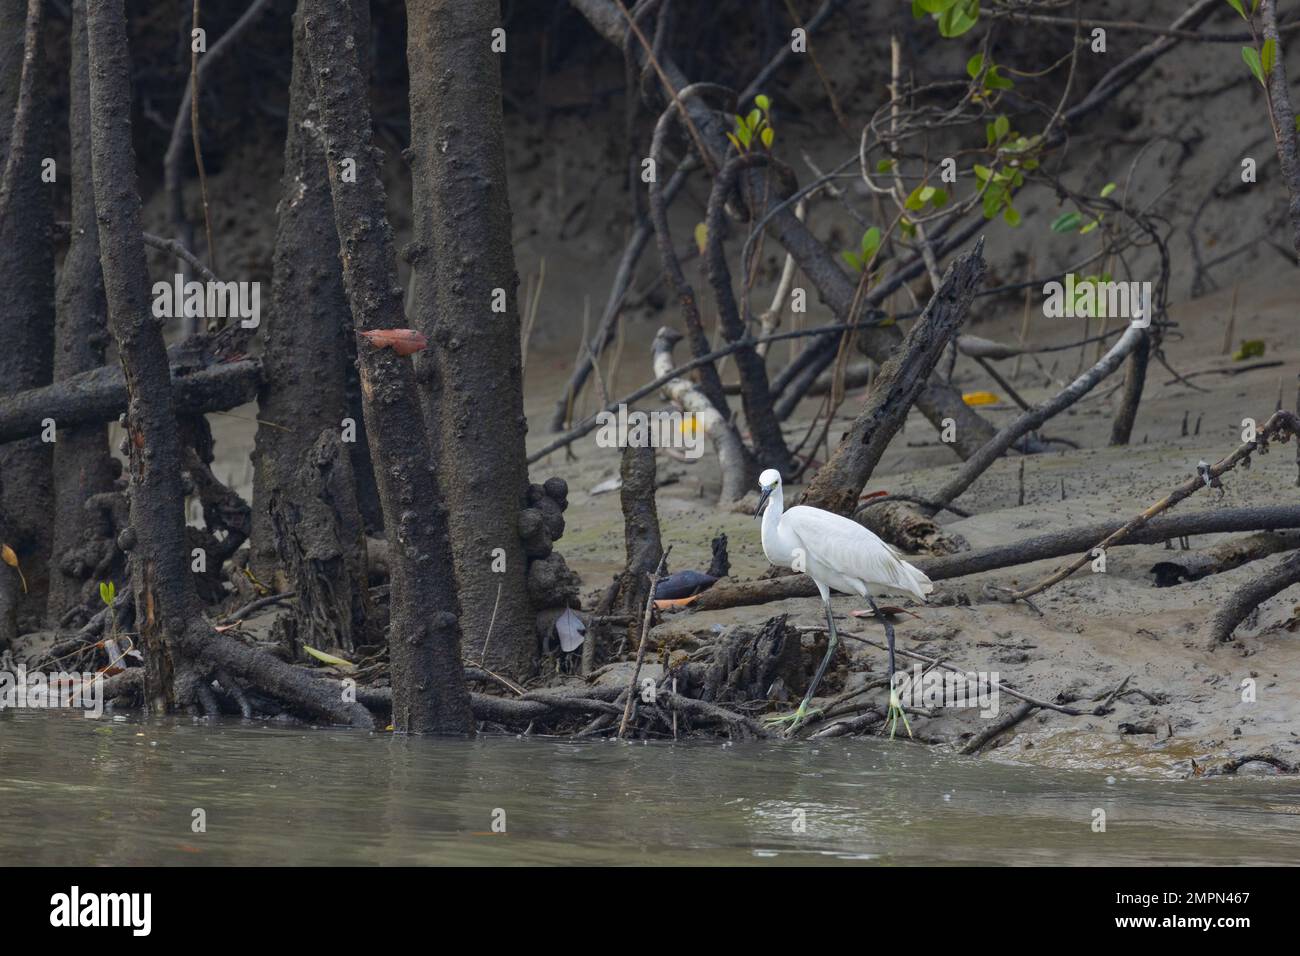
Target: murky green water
{"x": 77, "y": 791}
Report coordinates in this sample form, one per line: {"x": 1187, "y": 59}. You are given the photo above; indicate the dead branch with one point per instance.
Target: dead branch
{"x": 1233, "y": 553}
{"x": 100, "y": 395}
{"x": 769, "y": 443}
{"x": 840, "y": 481}
{"x": 734, "y": 459}
{"x": 980, "y": 740}
{"x": 1052, "y": 545}
{"x": 979, "y": 462}
{"x": 1250, "y": 596}
{"x": 1281, "y": 425}
{"x": 1229, "y": 767}
{"x": 710, "y": 384}
{"x": 645, "y": 635}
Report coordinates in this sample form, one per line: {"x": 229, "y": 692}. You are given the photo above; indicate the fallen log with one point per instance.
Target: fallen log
{"x": 1246, "y": 599}
{"x": 100, "y": 396}
{"x": 905, "y": 527}
{"x": 1052, "y": 545}
{"x": 1189, "y": 566}
{"x": 1032, "y": 419}
{"x": 1280, "y": 426}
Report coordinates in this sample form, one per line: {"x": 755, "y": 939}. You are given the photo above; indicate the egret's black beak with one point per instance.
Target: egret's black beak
{"x": 762, "y": 501}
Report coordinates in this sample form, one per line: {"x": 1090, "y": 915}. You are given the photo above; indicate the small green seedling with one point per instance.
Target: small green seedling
{"x": 754, "y": 127}
{"x": 1070, "y": 221}
{"x": 954, "y": 17}
{"x": 987, "y": 73}
{"x": 869, "y": 247}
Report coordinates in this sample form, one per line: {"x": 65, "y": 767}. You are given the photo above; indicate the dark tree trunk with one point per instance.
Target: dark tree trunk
{"x": 319, "y": 537}
{"x": 10, "y": 586}
{"x": 901, "y": 379}
{"x": 164, "y": 593}
{"x": 641, "y": 537}
{"x": 27, "y": 265}
{"x": 82, "y": 466}
{"x": 182, "y": 652}
{"x": 1135, "y": 376}
{"x": 306, "y": 519}
{"x": 460, "y": 255}
{"x": 429, "y": 691}
{"x": 1282, "y": 117}
{"x": 769, "y": 445}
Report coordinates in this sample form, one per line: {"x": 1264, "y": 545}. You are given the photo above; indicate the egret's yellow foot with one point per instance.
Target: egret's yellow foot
{"x": 895, "y": 714}
{"x": 795, "y": 720}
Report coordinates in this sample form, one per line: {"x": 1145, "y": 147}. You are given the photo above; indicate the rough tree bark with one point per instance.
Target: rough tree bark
{"x": 768, "y": 442}
{"x": 27, "y": 265}
{"x": 838, "y": 484}
{"x": 641, "y": 537}
{"x": 306, "y": 519}
{"x": 82, "y": 466}
{"x": 424, "y": 637}
{"x": 10, "y": 586}
{"x": 182, "y": 652}
{"x": 1282, "y": 119}
{"x": 463, "y": 264}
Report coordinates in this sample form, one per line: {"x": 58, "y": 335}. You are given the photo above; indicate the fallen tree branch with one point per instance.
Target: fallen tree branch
{"x": 1229, "y": 767}
{"x": 1193, "y": 565}
{"x": 1028, "y": 421}
{"x": 1280, "y": 425}
{"x": 1251, "y": 595}
{"x": 978, "y": 742}
{"x": 547, "y": 705}
{"x": 1052, "y": 545}
{"x": 100, "y": 395}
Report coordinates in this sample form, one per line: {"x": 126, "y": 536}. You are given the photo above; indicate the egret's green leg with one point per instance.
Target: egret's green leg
{"x": 796, "y": 719}
{"x": 895, "y": 712}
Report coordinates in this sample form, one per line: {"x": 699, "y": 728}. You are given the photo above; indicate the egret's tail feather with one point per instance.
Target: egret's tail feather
{"x": 915, "y": 580}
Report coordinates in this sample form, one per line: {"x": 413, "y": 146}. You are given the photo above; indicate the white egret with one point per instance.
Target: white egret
{"x": 838, "y": 554}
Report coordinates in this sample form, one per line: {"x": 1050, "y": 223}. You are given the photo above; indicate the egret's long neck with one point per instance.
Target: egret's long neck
{"x": 772, "y": 518}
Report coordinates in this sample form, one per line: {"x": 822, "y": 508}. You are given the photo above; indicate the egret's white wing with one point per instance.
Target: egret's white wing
{"x": 852, "y": 551}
